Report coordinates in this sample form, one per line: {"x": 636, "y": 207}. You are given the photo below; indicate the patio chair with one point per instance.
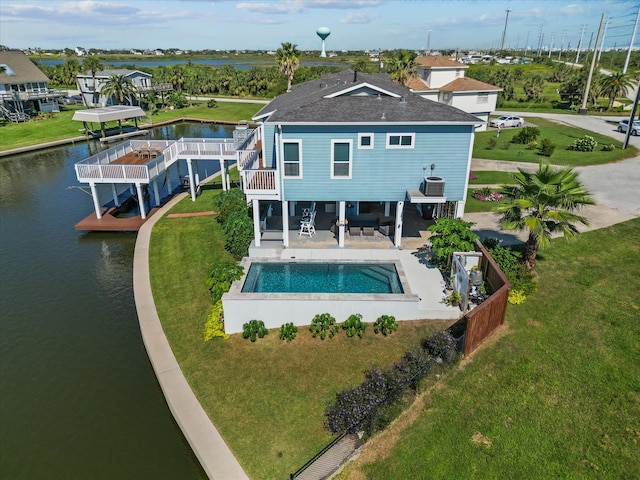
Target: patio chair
{"x": 306, "y": 212}
{"x": 307, "y": 227}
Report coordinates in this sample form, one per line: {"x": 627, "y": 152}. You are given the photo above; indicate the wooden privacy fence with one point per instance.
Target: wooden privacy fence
{"x": 483, "y": 320}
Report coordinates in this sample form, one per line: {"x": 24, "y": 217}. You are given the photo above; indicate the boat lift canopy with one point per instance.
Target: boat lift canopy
{"x": 107, "y": 114}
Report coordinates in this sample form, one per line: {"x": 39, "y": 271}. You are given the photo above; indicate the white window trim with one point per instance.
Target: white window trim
{"x": 299, "y": 142}
{"x": 365, "y": 147}
{"x": 342, "y": 177}
{"x": 483, "y": 98}
{"x": 412, "y": 135}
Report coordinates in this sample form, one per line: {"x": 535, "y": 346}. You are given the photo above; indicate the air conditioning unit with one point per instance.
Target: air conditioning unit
{"x": 433, "y": 187}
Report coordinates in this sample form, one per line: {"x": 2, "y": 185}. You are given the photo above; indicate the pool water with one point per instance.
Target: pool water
{"x": 294, "y": 277}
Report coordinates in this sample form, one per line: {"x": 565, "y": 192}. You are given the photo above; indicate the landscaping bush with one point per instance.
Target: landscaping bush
{"x": 354, "y": 325}
{"x": 450, "y": 235}
{"x": 238, "y": 232}
{"x": 222, "y": 275}
{"x": 441, "y": 345}
{"x": 453, "y": 299}
{"x": 254, "y": 329}
{"x": 323, "y": 324}
{"x": 487, "y": 195}
{"x": 584, "y": 144}
{"x": 414, "y": 366}
{"x": 226, "y": 202}
{"x": 608, "y": 148}
{"x": 526, "y": 135}
{"x": 385, "y": 324}
{"x": 516, "y": 297}
{"x": 214, "y": 326}
{"x": 288, "y": 332}
{"x": 491, "y": 143}
{"x": 546, "y": 148}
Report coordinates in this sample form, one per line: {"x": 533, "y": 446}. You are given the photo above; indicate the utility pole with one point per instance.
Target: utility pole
{"x": 633, "y": 35}
{"x": 625, "y": 144}
{"x": 583, "y": 110}
{"x": 540, "y": 37}
{"x": 603, "y": 35}
{"x": 553, "y": 34}
{"x": 429, "y": 43}
{"x": 584, "y": 26}
{"x": 504, "y": 32}
{"x": 564, "y": 32}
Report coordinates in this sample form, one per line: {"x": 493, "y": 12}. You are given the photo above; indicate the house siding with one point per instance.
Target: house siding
{"x": 378, "y": 174}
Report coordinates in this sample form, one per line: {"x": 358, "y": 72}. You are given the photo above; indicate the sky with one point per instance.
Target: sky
{"x": 354, "y": 24}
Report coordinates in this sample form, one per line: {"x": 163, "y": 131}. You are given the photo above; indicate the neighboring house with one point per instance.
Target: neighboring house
{"x": 24, "y": 89}
{"x": 141, "y": 80}
{"x": 349, "y": 139}
{"x": 442, "y": 80}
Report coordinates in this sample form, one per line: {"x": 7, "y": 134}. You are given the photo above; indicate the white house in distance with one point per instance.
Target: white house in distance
{"x": 442, "y": 80}
{"x": 141, "y": 80}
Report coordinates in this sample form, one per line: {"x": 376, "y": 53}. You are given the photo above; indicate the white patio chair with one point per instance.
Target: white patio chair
{"x": 307, "y": 227}
{"x": 306, "y": 212}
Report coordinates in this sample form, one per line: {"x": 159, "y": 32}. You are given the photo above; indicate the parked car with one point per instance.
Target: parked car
{"x": 635, "y": 127}
{"x": 507, "y": 121}
{"x": 71, "y": 100}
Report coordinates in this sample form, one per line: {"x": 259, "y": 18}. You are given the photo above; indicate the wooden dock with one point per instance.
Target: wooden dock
{"x": 109, "y": 223}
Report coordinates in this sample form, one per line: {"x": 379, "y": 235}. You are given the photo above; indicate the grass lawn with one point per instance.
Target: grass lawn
{"x": 266, "y": 398}
{"x": 488, "y": 177}
{"x": 559, "y": 133}
{"x": 60, "y": 126}
{"x": 474, "y": 205}
{"x": 556, "y": 394}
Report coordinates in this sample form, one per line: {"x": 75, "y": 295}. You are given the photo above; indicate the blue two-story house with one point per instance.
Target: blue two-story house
{"x": 347, "y": 139}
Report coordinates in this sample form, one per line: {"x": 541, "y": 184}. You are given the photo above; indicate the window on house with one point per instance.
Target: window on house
{"x": 340, "y": 158}
{"x": 400, "y": 140}
{"x": 292, "y": 158}
{"x": 457, "y": 72}
{"x": 483, "y": 98}
{"x": 365, "y": 140}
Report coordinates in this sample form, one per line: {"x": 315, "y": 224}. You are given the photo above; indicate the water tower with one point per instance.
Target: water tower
{"x": 323, "y": 32}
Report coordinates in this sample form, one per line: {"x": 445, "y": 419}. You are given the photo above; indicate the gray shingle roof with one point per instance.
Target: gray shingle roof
{"x": 25, "y": 70}
{"x": 307, "y": 103}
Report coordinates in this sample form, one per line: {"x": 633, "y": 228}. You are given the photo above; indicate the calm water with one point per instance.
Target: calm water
{"x": 78, "y": 396}
{"x": 294, "y": 277}
{"x": 238, "y": 64}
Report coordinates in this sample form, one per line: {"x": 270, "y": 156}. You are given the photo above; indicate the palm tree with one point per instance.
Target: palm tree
{"x": 119, "y": 87}
{"x": 543, "y": 202}
{"x": 288, "y": 61}
{"x": 402, "y": 66}
{"x": 616, "y": 85}
{"x": 93, "y": 65}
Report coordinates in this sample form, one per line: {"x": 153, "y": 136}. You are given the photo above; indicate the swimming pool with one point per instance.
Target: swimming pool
{"x": 309, "y": 277}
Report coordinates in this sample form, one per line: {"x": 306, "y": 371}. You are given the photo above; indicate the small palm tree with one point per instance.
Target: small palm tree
{"x": 402, "y": 66}
{"x": 616, "y": 85}
{"x": 288, "y": 61}
{"x": 118, "y": 87}
{"x": 543, "y": 202}
{"x": 93, "y": 65}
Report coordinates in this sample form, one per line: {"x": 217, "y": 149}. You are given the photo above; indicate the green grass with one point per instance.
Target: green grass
{"x": 60, "y": 126}
{"x": 558, "y": 396}
{"x": 559, "y": 133}
{"x": 489, "y": 177}
{"x": 474, "y": 205}
{"x": 266, "y": 398}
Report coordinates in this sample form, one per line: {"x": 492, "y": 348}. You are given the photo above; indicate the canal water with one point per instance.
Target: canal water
{"x": 78, "y": 396}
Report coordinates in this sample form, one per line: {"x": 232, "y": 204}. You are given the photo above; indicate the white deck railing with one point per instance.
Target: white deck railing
{"x": 259, "y": 182}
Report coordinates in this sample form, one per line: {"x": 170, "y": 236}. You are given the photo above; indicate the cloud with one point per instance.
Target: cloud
{"x": 358, "y": 18}
{"x": 283, "y": 7}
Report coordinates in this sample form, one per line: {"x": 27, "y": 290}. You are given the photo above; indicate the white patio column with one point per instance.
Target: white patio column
{"x": 191, "y": 180}
{"x": 398, "y": 235}
{"x": 256, "y": 221}
{"x": 156, "y": 192}
{"x": 387, "y": 208}
{"x": 196, "y": 174}
{"x": 114, "y": 192}
{"x": 96, "y": 200}
{"x": 460, "y": 209}
{"x": 168, "y": 177}
{"x": 132, "y": 189}
{"x": 292, "y": 208}
{"x": 285, "y": 223}
{"x": 143, "y": 214}
{"x": 341, "y": 218}
{"x": 223, "y": 175}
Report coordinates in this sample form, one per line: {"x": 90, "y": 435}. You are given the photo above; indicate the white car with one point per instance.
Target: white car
{"x": 635, "y": 127}
{"x": 507, "y": 121}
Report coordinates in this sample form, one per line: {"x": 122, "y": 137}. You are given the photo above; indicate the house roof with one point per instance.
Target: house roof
{"x": 462, "y": 84}
{"x": 364, "y": 98}
{"x": 21, "y": 68}
{"x": 436, "y": 61}
{"x": 119, "y": 71}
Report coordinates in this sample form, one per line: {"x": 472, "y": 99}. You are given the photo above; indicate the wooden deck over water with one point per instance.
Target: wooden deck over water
{"x": 109, "y": 223}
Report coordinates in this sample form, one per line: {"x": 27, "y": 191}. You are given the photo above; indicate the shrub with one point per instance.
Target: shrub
{"x": 450, "y": 235}
{"x": 211, "y": 103}
{"x": 491, "y": 143}
{"x": 547, "y": 147}
{"x": 441, "y": 345}
{"x": 385, "y": 324}
{"x": 354, "y": 325}
{"x": 226, "y": 202}
{"x": 222, "y": 275}
{"x": 288, "y": 332}
{"x": 323, "y": 324}
{"x": 532, "y": 145}
{"x": 214, "y": 326}
{"x": 526, "y": 135}
{"x": 453, "y": 299}
{"x": 608, "y": 148}
{"x": 487, "y": 195}
{"x": 254, "y": 328}
{"x": 413, "y": 367}
{"x": 506, "y": 145}
{"x": 238, "y": 233}
{"x": 584, "y": 144}
{"x": 516, "y": 297}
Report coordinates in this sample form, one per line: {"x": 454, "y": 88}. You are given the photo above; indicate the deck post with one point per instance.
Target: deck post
{"x": 143, "y": 214}
{"x": 167, "y": 174}
{"x": 114, "y": 192}
{"x": 191, "y": 180}
{"x": 387, "y": 208}
{"x": 223, "y": 175}
{"x": 256, "y": 221}
{"x": 285, "y": 223}
{"x": 341, "y": 223}
{"x": 196, "y": 174}
{"x": 398, "y": 234}
{"x": 96, "y": 200}
{"x": 156, "y": 192}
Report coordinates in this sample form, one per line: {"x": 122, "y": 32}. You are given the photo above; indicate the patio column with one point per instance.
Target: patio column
{"x": 167, "y": 174}
{"x": 285, "y": 223}
{"x": 196, "y": 174}
{"x": 223, "y": 175}
{"x": 156, "y": 192}
{"x": 398, "y": 235}
{"x": 387, "y": 208}
{"x": 191, "y": 180}
{"x": 256, "y": 221}
{"x": 341, "y": 214}
{"x": 460, "y": 208}
{"x": 143, "y": 214}
{"x": 96, "y": 200}
{"x": 114, "y": 192}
